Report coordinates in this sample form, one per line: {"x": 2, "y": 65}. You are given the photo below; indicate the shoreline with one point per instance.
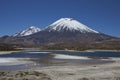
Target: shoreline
{"x": 94, "y": 50}
{"x": 65, "y": 56}
{"x": 14, "y": 61}
{"x": 28, "y": 49}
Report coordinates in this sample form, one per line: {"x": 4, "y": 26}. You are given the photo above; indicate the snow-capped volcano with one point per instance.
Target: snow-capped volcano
{"x": 69, "y": 24}
{"x": 31, "y": 30}
{"x": 66, "y": 33}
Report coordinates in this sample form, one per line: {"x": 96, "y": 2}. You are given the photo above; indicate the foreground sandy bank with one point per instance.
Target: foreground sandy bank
{"x": 110, "y": 71}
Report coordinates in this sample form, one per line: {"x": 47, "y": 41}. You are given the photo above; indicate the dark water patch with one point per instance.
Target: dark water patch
{"x": 90, "y": 54}
{"x": 15, "y": 67}
{"x": 97, "y": 54}
{"x": 24, "y": 55}
{"x": 44, "y": 53}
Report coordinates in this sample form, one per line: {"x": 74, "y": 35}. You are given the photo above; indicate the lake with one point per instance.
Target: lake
{"x": 43, "y": 53}
{"x": 47, "y": 58}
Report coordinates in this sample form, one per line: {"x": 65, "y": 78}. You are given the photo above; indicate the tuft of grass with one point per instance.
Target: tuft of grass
{"x": 25, "y": 79}
{"x": 22, "y": 73}
{"x": 11, "y": 79}
{"x": 84, "y": 78}
{"x": 2, "y": 74}
{"x": 70, "y": 73}
{"x": 45, "y": 78}
{"x": 116, "y": 78}
{"x": 38, "y": 74}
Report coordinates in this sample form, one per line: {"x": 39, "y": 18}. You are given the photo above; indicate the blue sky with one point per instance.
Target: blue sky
{"x": 101, "y": 15}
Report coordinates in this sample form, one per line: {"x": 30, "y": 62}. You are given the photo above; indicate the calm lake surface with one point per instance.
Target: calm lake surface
{"x": 44, "y": 53}
{"x": 46, "y": 58}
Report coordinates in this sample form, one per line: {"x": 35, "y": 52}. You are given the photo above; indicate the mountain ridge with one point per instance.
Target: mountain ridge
{"x": 29, "y": 31}
{"x": 62, "y": 35}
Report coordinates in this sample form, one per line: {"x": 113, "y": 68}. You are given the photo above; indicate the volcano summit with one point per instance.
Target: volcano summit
{"x": 69, "y": 24}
